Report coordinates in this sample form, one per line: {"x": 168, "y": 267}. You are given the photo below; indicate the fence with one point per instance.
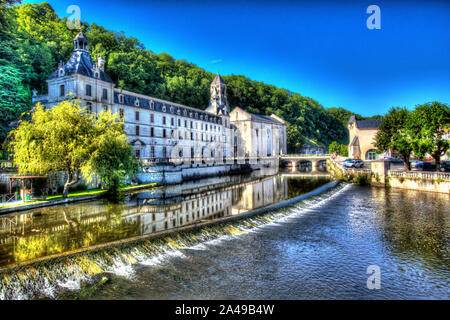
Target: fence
{"x": 8, "y": 197}
{"x": 420, "y": 175}
{"x": 6, "y": 165}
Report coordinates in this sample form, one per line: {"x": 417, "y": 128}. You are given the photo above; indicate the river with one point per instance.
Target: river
{"x": 318, "y": 248}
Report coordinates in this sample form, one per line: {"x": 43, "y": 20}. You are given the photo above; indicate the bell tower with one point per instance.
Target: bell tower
{"x": 81, "y": 43}
{"x": 218, "y": 102}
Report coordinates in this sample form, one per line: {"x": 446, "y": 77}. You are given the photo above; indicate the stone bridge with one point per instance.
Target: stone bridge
{"x": 315, "y": 159}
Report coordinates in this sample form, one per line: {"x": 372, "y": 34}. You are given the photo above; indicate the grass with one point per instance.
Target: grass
{"x": 75, "y": 194}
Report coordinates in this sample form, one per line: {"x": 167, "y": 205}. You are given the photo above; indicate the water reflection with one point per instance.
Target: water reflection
{"x": 48, "y": 231}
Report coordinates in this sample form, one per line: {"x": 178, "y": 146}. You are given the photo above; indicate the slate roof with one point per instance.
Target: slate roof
{"x": 81, "y": 63}
{"x": 165, "y": 106}
{"x": 365, "y": 124}
{"x": 218, "y": 79}
{"x": 258, "y": 117}
{"x": 368, "y": 124}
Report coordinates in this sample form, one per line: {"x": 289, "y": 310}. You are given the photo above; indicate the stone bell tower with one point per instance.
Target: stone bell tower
{"x": 218, "y": 102}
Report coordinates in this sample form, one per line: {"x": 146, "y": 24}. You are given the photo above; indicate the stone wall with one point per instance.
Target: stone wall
{"x": 422, "y": 181}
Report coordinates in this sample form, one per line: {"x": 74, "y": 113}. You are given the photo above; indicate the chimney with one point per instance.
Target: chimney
{"x": 101, "y": 63}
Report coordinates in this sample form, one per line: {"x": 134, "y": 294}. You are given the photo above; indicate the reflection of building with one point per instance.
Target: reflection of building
{"x": 362, "y": 138}
{"x": 159, "y": 129}
{"x": 259, "y": 194}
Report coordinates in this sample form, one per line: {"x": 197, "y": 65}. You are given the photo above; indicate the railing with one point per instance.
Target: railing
{"x": 420, "y": 175}
{"x": 6, "y": 165}
{"x": 312, "y": 155}
{"x": 8, "y": 197}
{"x": 203, "y": 160}
{"x": 39, "y": 98}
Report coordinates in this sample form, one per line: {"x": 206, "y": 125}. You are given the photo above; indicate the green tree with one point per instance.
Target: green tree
{"x": 428, "y": 124}
{"x": 14, "y": 96}
{"x": 112, "y": 158}
{"x": 68, "y": 138}
{"x": 294, "y": 138}
{"x": 340, "y": 149}
{"x": 393, "y": 134}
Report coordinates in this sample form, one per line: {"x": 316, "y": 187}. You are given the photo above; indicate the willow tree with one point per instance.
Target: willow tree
{"x": 66, "y": 138}
{"x": 112, "y": 158}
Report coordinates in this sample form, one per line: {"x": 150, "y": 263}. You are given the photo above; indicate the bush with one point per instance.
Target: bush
{"x": 362, "y": 179}
{"x": 78, "y": 187}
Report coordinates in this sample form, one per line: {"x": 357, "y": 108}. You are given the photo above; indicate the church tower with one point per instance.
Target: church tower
{"x": 218, "y": 102}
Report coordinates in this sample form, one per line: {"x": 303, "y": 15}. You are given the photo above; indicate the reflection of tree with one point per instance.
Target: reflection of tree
{"x": 414, "y": 222}
{"x": 301, "y": 185}
{"x": 72, "y": 228}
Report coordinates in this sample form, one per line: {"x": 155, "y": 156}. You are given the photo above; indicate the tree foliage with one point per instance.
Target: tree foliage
{"x": 393, "y": 134}
{"x": 340, "y": 149}
{"x": 68, "y": 138}
{"x": 428, "y": 124}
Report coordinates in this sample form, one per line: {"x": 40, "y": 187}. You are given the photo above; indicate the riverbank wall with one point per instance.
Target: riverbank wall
{"x": 381, "y": 175}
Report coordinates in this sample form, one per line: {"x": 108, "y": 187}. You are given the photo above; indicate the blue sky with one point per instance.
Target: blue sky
{"x": 319, "y": 49}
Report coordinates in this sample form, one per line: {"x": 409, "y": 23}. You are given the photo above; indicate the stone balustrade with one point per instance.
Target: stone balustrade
{"x": 441, "y": 176}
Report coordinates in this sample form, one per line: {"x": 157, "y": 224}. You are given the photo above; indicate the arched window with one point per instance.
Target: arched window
{"x": 372, "y": 155}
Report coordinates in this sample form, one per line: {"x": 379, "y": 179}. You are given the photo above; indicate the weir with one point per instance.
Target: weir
{"x": 46, "y": 277}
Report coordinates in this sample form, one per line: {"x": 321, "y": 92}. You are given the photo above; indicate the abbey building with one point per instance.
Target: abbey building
{"x": 161, "y": 130}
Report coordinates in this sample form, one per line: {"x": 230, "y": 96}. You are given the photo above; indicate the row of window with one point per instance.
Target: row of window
{"x": 187, "y": 123}
{"x": 204, "y": 137}
{"x": 62, "y": 91}
{"x": 165, "y": 153}
{"x": 172, "y": 110}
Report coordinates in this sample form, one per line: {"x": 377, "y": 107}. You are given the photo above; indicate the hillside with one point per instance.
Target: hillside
{"x": 35, "y": 39}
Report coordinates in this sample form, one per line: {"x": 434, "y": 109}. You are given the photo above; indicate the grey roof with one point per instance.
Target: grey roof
{"x": 218, "y": 79}
{"x": 364, "y": 124}
{"x": 170, "y": 107}
{"x": 258, "y": 117}
{"x": 368, "y": 124}
{"x": 81, "y": 36}
{"x": 81, "y": 63}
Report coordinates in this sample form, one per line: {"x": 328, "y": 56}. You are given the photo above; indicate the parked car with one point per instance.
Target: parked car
{"x": 426, "y": 166}
{"x": 393, "y": 160}
{"x": 353, "y": 163}
{"x": 415, "y": 163}
{"x": 445, "y": 166}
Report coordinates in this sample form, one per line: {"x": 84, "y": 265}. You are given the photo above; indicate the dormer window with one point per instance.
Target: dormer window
{"x": 121, "y": 98}
{"x": 152, "y": 104}
{"x": 171, "y": 109}
{"x": 136, "y": 102}
{"x": 196, "y": 115}
{"x": 61, "y": 72}
{"x": 97, "y": 74}
{"x": 185, "y": 112}
{"x": 178, "y": 111}
{"x": 164, "y": 108}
